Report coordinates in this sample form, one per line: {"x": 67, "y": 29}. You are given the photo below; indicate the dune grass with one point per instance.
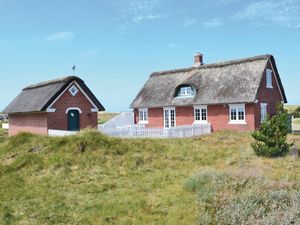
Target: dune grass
{"x": 93, "y": 179}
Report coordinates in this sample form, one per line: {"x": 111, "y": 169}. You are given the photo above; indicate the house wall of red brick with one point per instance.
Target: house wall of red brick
{"x": 217, "y": 115}
{"x": 34, "y": 123}
{"x": 58, "y": 120}
{"x": 271, "y": 96}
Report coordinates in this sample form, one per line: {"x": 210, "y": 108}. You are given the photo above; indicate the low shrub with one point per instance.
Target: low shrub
{"x": 254, "y": 202}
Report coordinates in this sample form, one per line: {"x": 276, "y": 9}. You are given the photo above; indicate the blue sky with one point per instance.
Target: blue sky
{"x": 117, "y": 44}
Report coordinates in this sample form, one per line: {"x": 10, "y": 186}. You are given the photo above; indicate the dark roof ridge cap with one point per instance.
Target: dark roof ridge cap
{"x": 236, "y": 61}
{"x": 188, "y": 69}
{"x": 49, "y": 82}
{"x": 211, "y": 65}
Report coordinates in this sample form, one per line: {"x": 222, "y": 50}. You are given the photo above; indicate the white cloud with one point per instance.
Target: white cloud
{"x": 60, "y": 36}
{"x": 128, "y": 8}
{"x": 216, "y": 22}
{"x": 174, "y": 45}
{"x": 189, "y": 22}
{"x": 133, "y": 12}
{"x": 281, "y": 12}
{"x": 88, "y": 53}
{"x": 141, "y": 18}
{"x": 227, "y": 2}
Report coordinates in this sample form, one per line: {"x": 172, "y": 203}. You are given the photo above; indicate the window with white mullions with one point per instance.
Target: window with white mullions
{"x": 185, "y": 91}
{"x": 200, "y": 114}
{"x": 143, "y": 116}
{"x": 169, "y": 117}
{"x": 237, "y": 114}
{"x": 233, "y": 114}
{"x": 241, "y": 114}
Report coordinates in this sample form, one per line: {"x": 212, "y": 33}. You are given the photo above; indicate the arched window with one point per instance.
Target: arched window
{"x": 185, "y": 90}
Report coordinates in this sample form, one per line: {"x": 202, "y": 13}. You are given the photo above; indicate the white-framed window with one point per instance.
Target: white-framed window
{"x": 200, "y": 114}
{"x": 143, "y": 116}
{"x": 263, "y": 111}
{"x": 237, "y": 114}
{"x": 185, "y": 91}
{"x": 169, "y": 117}
{"x": 269, "y": 75}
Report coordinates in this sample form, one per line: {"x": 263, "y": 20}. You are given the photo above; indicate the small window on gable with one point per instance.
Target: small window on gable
{"x": 185, "y": 91}
{"x": 73, "y": 90}
{"x": 269, "y": 78}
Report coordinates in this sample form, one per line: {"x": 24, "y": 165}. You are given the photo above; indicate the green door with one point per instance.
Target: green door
{"x": 73, "y": 120}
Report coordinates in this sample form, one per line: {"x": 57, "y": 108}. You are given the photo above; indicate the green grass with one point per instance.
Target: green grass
{"x": 297, "y": 121}
{"x": 105, "y": 116}
{"x": 93, "y": 179}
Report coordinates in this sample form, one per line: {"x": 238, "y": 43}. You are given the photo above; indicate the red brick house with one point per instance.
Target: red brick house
{"x": 235, "y": 95}
{"x": 65, "y": 104}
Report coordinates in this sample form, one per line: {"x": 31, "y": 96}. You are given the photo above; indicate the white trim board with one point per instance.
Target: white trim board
{"x": 73, "y": 108}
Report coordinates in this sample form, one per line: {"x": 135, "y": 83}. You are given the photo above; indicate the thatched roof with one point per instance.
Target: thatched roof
{"x": 37, "y": 97}
{"x": 234, "y": 81}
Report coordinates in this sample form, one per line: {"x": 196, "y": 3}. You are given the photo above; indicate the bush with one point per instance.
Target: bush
{"x": 295, "y": 114}
{"x": 271, "y": 139}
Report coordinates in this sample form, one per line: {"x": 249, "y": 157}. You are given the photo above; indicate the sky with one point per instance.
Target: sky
{"x": 117, "y": 44}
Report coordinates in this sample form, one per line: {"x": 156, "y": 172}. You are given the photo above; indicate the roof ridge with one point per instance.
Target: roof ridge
{"x": 210, "y": 65}
{"x": 45, "y": 83}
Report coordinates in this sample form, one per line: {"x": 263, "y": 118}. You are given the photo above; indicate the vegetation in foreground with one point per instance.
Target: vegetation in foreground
{"x": 93, "y": 179}
{"x": 271, "y": 138}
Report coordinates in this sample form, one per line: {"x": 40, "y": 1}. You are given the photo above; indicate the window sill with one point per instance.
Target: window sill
{"x": 270, "y": 87}
{"x": 200, "y": 122}
{"x": 143, "y": 122}
{"x": 237, "y": 122}
{"x": 185, "y": 96}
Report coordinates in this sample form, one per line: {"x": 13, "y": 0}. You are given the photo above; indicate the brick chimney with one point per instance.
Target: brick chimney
{"x": 198, "y": 59}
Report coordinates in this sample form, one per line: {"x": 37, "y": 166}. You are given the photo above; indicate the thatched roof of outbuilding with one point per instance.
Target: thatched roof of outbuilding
{"x": 37, "y": 97}
{"x": 234, "y": 81}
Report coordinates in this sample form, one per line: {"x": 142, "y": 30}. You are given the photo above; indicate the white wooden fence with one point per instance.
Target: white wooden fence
{"x": 5, "y": 126}
{"x": 174, "y": 132}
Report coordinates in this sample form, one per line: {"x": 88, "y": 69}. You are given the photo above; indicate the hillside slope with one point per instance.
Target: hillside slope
{"x": 93, "y": 179}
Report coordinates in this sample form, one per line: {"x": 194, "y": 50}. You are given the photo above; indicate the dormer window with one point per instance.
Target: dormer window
{"x": 185, "y": 91}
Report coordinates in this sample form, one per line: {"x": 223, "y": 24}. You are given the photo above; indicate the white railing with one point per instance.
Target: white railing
{"x": 60, "y": 133}
{"x": 123, "y": 119}
{"x": 174, "y": 132}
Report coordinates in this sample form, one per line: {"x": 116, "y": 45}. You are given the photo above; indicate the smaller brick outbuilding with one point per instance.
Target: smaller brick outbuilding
{"x": 64, "y": 104}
